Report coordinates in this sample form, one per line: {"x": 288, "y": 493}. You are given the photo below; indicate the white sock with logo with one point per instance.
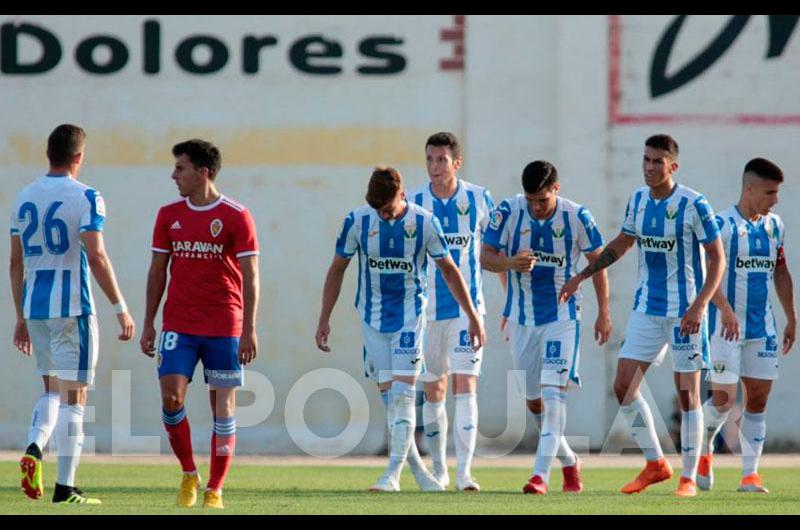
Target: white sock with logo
{"x": 43, "y": 419}
{"x": 751, "y": 436}
{"x": 434, "y": 416}
{"x": 566, "y": 456}
{"x": 69, "y": 436}
{"x": 642, "y": 428}
{"x": 403, "y": 396}
{"x": 466, "y": 431}
{"x": 555, "y": 417}
{"x": 691, "y": 440}
{"x": 714, "y": 420}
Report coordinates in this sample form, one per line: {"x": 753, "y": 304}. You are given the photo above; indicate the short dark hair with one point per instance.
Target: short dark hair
{"x": 445, "y": 139}
{"x": 201, "y": 154}
{"x": 764, "y": 169}
{"x": 384, "y": 185}
{"x": 65, "y": 142}
{"x": 538, "y": 175}
{"x": 664, "y": 142}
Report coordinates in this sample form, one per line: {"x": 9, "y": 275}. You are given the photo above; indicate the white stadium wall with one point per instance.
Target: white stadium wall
{"x": 303, "y": 107}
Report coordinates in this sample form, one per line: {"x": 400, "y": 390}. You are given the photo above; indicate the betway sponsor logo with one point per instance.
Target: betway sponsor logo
{"x": 657, "y": 244}
{"x": 197, "y": 247}
{"x": 755, "y": 264}
{"x": 549, "y": 260}
{"x": 389, "y": 265}
{"x": 458, "y": 241}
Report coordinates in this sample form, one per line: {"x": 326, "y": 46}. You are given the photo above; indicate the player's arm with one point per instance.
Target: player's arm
{"x": 610, "y": 254}
{"x": 248, "y": 344}
{"x": 156, "y": 283}
{"x": 16, "y": 271}
{"x": 495, "y": 260}
{"x": 455, "y": 282}
{"x": 715, "y": 260}
{"x": 784, "y": 288}
{"x": 103, "y": 273}
{"x": 330, "y": 293}
{"x": 730, "y": 324}
{"x": 602, "y": 327}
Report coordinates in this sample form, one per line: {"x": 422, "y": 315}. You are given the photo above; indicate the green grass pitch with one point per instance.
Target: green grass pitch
{"x": 260, "y": 489}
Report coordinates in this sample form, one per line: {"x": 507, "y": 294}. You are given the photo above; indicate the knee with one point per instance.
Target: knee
{"x": 172, "y": 402}
{"x": 621, "y": 391}
{"x": 757, "y": 404}
{"x": 535, "y": 406}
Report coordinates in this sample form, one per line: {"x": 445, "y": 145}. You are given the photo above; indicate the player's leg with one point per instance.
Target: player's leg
{"x": 74, "y": 345}
{"x": 434, "y": 413}
{"x": 177, "y": 357}
{"x": 44, "y": 416}
{"x": 466, "y": 428}
{"x": 645, "y": 345}
{"x": 223, "y": 373}
{"x": 726, "y": 362}
{"x": 753, "y": 432}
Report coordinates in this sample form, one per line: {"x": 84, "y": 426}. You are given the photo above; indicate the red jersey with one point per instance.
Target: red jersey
{"x": 205, "y": 287}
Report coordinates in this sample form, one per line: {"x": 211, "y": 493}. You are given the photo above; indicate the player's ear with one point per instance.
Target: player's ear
{"x": 458, "y": 163}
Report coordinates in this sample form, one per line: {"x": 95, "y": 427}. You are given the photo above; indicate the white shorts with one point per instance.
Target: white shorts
{"x": 648, "y": 337}
{"x": 545, "y": 355}
{"x": 65, "y": 347}
{"x": 448, "y": 350}
{"x": 756, "y": 358}
{"x": 392, "y": 354}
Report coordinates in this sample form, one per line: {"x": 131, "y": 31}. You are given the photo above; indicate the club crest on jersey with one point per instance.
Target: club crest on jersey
{"x": 462, "y": 209}
{"x": 216, "y": 227}
{"x": 558, "y": 234}
{"x": 100, "y": 205}
{"x": 671, "y": 214}
{"x": 496, "y": 219}
{"x": 410, "y": 231}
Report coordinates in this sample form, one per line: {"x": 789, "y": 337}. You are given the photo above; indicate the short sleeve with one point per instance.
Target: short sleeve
{"x": 346, "y": 243}
{"x": 161, "y": 241}
{"x": 245, "y": 240}
{"x": 93, "y": 212}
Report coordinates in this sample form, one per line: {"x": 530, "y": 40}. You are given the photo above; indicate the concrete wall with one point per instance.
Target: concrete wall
{"x": 298, "y": 148}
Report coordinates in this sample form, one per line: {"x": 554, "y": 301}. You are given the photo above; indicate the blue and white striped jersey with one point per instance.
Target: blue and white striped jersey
{"x": 557, "y": 242}
{"x": 49, "y": 216}
{"x": 392, "y": 263}
{"x": 464, "y": 218}
{"x": 669, "y": 233}
{"x": 752, "y": 249}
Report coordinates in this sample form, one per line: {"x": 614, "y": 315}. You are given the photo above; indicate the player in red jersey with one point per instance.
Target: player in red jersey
{"x": 209, "y": 242}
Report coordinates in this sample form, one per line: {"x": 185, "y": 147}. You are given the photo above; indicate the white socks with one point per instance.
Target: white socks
{"x": 713, "y": 420}
{"x": 466, "y": 431}
{"x": 403, "y": 397}
{"x": 751, "y": 436}
{"x": 555, "y": 417}
{"x": 434, "y": 417}
{"x": 566, "y": 456}
{"x": 642, "y": 428}
{"x": 691, "y": 439}
{"x": 43, "y": 419}
{"x": 70, "y": 442}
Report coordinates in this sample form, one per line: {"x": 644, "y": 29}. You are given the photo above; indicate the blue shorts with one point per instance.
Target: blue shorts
{"x": 178, "y": 354}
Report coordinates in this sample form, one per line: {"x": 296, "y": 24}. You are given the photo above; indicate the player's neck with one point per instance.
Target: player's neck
{"x": 747, "y": 212}
{"x": 205, "y": 196}
{"x": 445, "y": 189}
{"x": 663, "y": 190}
{"x": 67, "y": 171}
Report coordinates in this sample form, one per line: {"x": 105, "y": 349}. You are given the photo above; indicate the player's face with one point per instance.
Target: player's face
{"x": 762, "y": 194}
{"x": 394, "y": 209}
{"x": 188, "y": 177}
{"x": 658, "y": 166}
{"x": 441, "y": 165}
{"x": 542, "y": 204}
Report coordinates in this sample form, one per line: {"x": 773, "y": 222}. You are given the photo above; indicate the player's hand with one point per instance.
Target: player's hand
{"x": 504, "y": 328}
{"x": 477, "y": 333}
{"x": 730, "y": 325}
{"x": 570, "y": 288}
{"x": 21, "y": 338}
{"x": 602, "y": 328}
{"x": 126, "y": 325}
{"x": 522, "y": 261}
{"x": 148, "y": 340}
{"x": 248, "y": 347}
{"x": 690, "y": 324}
{"x": 323, "y": 331}
{"x": 788, "y": 337}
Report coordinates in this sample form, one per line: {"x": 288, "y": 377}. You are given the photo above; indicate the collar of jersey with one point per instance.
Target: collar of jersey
{"x": 207, "y": 206}
{"x": 61, "y": 176}
{"x": 659, "y": 202}
{"x": 750, "y": 222}
{"x": 450, "y": 198}
{"x": 541, "y": 221}
{"x": 394, "y": 222}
